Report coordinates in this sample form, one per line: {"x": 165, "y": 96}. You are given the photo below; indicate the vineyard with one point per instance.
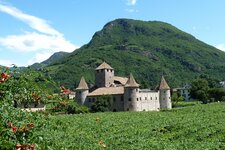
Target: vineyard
{"x": 192, "y": 127}
{"x": 195, "y": 126}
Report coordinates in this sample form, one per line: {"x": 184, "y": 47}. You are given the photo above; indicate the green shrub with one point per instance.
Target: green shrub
{"x": 17, "y": 126}
{"x": 102, "y": 104}
{"x": 74, "y": 108}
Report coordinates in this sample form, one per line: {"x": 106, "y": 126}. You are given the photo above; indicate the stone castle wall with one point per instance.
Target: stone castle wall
{"x": 104, "y": 77}
{"x": 148, "y": 100}
{"x": 136, "y": 100}
{"x": 81, "y": 96}
{"x": 165, "y": 99}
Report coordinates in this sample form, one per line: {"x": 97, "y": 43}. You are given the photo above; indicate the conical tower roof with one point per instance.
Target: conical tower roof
{"x": 163, "y": 84}
{"x": 104, "y": 65}
{"x": 82, "y": 85}
{"x": 131, "y": 82}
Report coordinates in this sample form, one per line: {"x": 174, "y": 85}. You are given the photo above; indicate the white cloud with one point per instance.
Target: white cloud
{"x": 44, "y": 37}
{"x": 39, "y": 57}
{"x": 6, "y": 63}
{"x": 131, "y": 2}
{"x": 32, "y": 41}
{"x": 36, "y": 23}
{"x": 221, "y": 47}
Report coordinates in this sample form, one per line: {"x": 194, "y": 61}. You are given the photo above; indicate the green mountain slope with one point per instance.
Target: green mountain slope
{"x": 147, "y": 49}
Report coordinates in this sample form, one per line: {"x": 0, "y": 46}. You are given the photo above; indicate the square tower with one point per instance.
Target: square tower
{"x": 104, "y": 76}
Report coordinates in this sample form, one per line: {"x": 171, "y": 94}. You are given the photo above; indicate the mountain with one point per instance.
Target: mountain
{"x": 51, "y": 59}
{"x": 148, "y": 49}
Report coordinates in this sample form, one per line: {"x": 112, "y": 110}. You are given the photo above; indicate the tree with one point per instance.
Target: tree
{"x": 199, "y": 90}
{"x": 176, "y": 97}
{"x": 216, "y": 94}
{"x": 102, "y": 104}
{"x": 212, "y": 82}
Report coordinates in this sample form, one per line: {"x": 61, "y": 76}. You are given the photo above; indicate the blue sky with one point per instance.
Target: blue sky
{"x": 32, "y": 30}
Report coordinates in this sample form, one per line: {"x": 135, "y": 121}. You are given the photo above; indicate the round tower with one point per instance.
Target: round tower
{"x": 104, "y": 76}
{"x": 164, "y": 95}
{"x": 82, "y": 92}
{"x": 131, "y": 91}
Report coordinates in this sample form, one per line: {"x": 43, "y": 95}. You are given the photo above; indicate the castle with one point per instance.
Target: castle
{"x": 126, "y": 94}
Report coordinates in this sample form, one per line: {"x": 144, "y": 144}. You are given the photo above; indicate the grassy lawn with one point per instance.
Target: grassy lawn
{"x": 193, "y": 127}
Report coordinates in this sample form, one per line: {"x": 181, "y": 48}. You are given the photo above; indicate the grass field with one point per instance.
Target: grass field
{"x": 191, "y": 127}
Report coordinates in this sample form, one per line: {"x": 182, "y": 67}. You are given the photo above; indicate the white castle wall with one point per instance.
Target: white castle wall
{"x": 135, "y": 99}
{"x": 81, "y": 96}
{"x": 130, "y": 99}
{"x": 148, "y": 100}
{"x": 165, "y": 99}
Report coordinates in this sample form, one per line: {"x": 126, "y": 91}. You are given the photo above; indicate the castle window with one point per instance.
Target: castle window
{"x": 140, "y": 98}
{"x": 137, "y": 99}
{"x": 121, "y": 98}
{"x": 89, "y": 99}
{"x": 151, "y": 98}
{"x": 97, "y": 71}
{"x": 93, "y": 99}
{"x": 136, "y": 90}
{"x": 129, "y": 99}
{"x": 101, "y": 70}
{"x": 145, "y": 98}
{"x": 114, "y": 99}
{"x": 155, "y": 98}
{"x": 107, "y": 70}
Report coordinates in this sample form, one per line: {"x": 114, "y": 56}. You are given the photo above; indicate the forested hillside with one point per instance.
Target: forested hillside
{"x": 148, "y": 49}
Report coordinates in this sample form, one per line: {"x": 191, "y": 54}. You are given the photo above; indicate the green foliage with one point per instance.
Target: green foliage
{"x": 176, "y": 98}
{"x": 147, "y": 49}
{"x": 102, "y": 104}
{"x": 194, "y": 127}
{"x": 212, "y": 82}
{"x": 216, "y": 94}
{"x": 17, "y": 126}
{"x": 74, "y": 108}
{"x": 199, "y": 90}
{"x": 67, "y": 107}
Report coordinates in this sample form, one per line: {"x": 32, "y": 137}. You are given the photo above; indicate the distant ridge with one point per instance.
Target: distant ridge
{"x": 51, "y": 59}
